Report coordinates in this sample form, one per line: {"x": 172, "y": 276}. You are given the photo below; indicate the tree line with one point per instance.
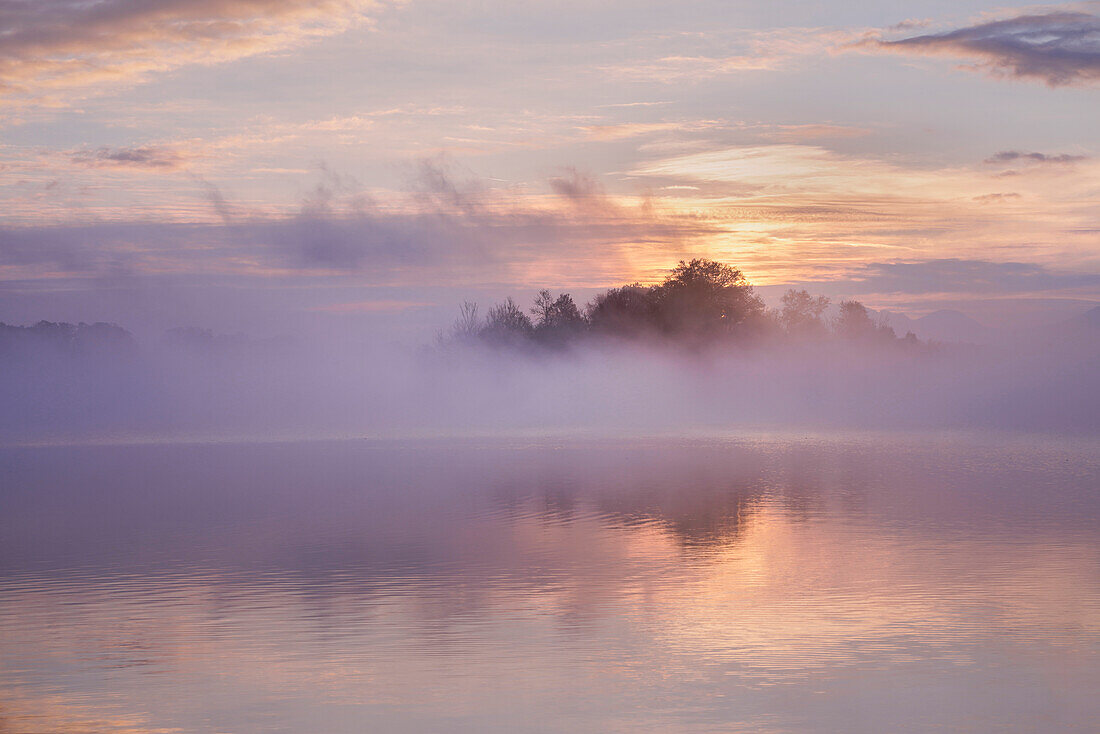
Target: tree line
{"x": 699, "y": 303}
{"x": 62, "y": 338}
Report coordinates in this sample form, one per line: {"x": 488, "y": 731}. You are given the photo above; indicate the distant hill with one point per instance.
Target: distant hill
{"x": 1082, "y": 330}
{"x": 1089, "y": 320}
{"x": 945, "y": 325}
{"x": 954, "y": 326}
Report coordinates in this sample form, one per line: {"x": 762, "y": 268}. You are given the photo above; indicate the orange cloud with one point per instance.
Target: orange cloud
{"x": 804, "y": 211}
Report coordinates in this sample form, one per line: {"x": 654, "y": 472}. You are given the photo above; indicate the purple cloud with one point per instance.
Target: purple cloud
{"x": 145, "y": 157}
{"x": 75, "y": 43}
{"x": 447, "y": 229}
{"x": 1014, "y": 156}
{"x": 1060, "y": 49}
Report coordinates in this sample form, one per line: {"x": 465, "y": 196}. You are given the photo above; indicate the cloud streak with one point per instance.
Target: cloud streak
{"x": 711, "y": 55}
{"x": 1013, "y": 156}
{"x": 66, "y": 44}
{"x": 1060, "y": 49}
{"x": 783, "y": 212}
{"x": 444, "y": 231}
{"x": 798, "y": 211}
{"x": 155, "y": 157}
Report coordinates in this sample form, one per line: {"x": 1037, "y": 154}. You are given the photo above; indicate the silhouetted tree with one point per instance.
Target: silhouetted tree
{"x": 854, "y": 322}
{"x": 700, "y": 302}
{"x": 47, "y": 338}
{"x": 468, "y": 324}
{"x": 705, "y": 298}
{"x": 801, "y": 313}
{"x": 557, "y": 320}
{"x": 506, "y": 323}
{"x": 543, "y": 308}
{"x": 102, "y": 338}
{"x": 883, "y": 330}
{"x": 627, "y": 311}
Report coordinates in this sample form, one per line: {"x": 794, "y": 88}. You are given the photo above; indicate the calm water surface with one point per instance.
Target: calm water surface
{"x": 776, "y": 584}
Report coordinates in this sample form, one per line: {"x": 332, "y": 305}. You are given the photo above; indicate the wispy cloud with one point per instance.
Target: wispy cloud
{"x": 630, "y": 129}
{"x": 802, "y": 133}
{"x": 781, "y": 210}
{"x": 1016, "y": 156}
{"x": 1059, "y": 48}
{"x": 50, "y": 45}
{"x": 791, "y": 210}
{"x": 634, "y": 104}
{"x": 711, "y": 55}
{"x": 156, "y": 157}
{"x": 446, "y": 230}
{"x": 996, "y": 197}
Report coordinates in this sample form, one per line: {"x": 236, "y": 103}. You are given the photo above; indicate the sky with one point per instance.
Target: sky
{"x": 272, "y": 166}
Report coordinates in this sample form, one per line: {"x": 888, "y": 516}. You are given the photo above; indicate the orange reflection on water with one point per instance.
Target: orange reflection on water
{"x": 765, "y": 586}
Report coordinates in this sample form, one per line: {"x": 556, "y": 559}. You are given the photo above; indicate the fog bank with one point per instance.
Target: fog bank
{"x": 299, "y": 389}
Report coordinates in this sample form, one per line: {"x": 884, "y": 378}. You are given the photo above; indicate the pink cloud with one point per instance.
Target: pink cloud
{"x": 70, "y": 44}
{"x": 150, "y": 157}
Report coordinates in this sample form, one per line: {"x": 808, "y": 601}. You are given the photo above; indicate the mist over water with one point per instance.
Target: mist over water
{"x": 766, "y": 583}
{"x": 331, "y": 533}
{"x": 698, "y": 351}
{"x": 432, "y": 367}
{"x": 328, "y": 388}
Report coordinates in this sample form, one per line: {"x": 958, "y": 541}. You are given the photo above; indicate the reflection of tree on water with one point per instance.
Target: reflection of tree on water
{"x": 346, "y": 507}
{"x": 446, "y": 528}
{"x": 702, "y": 496}
{"x": 375, "y": 551}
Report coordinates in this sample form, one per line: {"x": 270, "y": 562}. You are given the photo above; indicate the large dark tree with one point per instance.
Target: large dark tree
{"x": 801, "y": 314}
{"x": 855, "y": 323}
{"x": 627, "y": 311}
{"x": 699, "y": 303}
{"x": 704, "y": 298}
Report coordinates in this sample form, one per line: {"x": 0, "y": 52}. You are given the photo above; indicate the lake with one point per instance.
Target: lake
{"x": 766, "y": 583}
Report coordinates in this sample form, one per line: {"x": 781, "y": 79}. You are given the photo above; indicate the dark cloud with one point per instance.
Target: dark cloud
{"x": 1015, "y": 156}
{"x": 1060, "y": 49}
{"x": 98, "y": 248}
{"x": 146, "y": 157}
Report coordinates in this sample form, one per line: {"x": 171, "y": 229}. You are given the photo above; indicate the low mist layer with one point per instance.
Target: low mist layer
{"x": 698, "y": 352}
